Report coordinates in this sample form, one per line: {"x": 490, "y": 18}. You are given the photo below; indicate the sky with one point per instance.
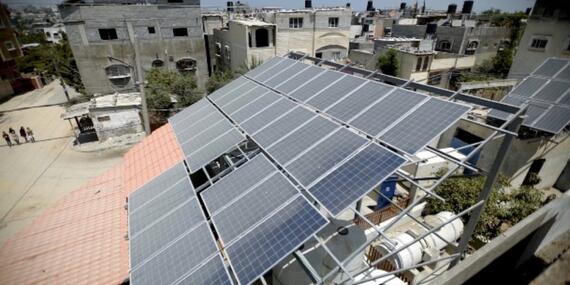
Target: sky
{"x": 480, "y": 5}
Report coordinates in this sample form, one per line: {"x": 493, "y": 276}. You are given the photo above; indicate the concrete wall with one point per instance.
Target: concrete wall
{"x": 555, "y": 150}
{"x": 121, "y": 122}
{"x": 556, "y": 30}
{"x": 448, "y": 63}
{"x": 6, "y": 90}
{"x": 92, "y": 54}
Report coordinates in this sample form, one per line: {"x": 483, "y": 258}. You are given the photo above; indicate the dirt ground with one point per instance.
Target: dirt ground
{"x": 34, "y": 176}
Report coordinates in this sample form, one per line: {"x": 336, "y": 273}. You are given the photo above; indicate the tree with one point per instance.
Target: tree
{"x": 32, "y": 38}
{"x": 388, "y": 63}
{"x": 502, "y": 62}
{"x": 501, "y": 209}
{"x": 218, "y": 80}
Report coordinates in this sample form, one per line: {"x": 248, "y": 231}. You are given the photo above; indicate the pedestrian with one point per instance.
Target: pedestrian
{"x": 30, "y": 134}
{"x": 7, "y": 138}
{"x": 11, "y": 131}
{"x": 15, "y": 137}
{"x": 23, "y": 133}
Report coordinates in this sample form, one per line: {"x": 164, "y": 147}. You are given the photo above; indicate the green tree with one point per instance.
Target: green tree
{"x": 388, "y": 63}
{"x": 218, "y": 80}
{"x": 186, "y": 90}
{"x": 32, "y": 38}
{"x": 502, "y": 62}
{"x": 501, "y": 208}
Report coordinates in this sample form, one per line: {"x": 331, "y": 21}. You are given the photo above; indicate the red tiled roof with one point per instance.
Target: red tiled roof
{"x": 81, "y": 239}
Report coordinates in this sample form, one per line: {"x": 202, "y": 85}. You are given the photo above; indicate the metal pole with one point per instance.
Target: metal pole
{"x": 140, "y": 79}
{"x": 488, "y": 187}
{"x": 307, "y": 267}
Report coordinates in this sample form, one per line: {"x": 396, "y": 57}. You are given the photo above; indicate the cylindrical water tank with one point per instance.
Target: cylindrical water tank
{"x": 467, "y": 7}
{"x": 370, "y": 6}
{"x": 450, "y": 232}
{"x": 308, "y": 4}
{"x": 230, "y": 6}
{"x": 403, "y": 6}
{"x": 431, "y": 28}
{"x": 451, "y": 9}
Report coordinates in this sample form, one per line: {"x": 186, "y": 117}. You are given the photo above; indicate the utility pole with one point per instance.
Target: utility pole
{"x": 60, "y": 79}
{"x": 140, "y": 79}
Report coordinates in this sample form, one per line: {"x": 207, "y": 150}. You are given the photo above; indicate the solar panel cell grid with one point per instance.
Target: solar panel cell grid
{"x": 178, "y": 259}
{"x": 152, "y": 239}
{"x": 388, "y": 110}
{"x": 528, "y": 86}
{"x": 284, "y": 64}
{"x": 156, "y": 186}
{"x": 553, "y": 91}
{"x": 555, "y": 120}
{"x": 159, "y": 206}
{"x": 286, "y": 74}
{"x": 213, "y": 150}
{"x": 212, "y": 272}
{"x": 355, "y": 178}
{"x": 301, "y": 139}
{"x": 509, "y": 99}
{"x": 253, "y": 207}
{"x": 297, "y": 80}
{"x": 316, "y": 162}
{"x": 176, "y": 119}
{"x": 550, "y": 67}
{"x": 244, "y": 100}
{"x": 260, "y": 120}
{"x": 192, "y": 130}
{"x": 534, "y": 111}
{"x": 236, "y": 93}
{"x": 264, "y": 67}
{"x": 227, "y": 88}
{"x": 335, "y": 92}
{"x": 427, "y": 122}
{"x": 282, "y": 126}
{"x": 274, "y": 239}
{"x": 206, "y": 136}
{"x": 195, "y": 118}
{"x": 254, "y": 107}
{"x": 358, "y": 101}
{"x": 237, "y": 182}
{"x": 564, "y": 74}
{"x": 316, "y": 85}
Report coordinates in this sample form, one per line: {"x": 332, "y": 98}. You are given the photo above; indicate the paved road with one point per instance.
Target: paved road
{"x": 34, "y": 176}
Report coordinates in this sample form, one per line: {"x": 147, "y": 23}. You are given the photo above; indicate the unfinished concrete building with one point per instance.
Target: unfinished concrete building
{"x": 103, "y": 35}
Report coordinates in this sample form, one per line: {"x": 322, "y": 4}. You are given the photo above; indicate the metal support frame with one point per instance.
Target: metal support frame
{"x": 307, "y": 267}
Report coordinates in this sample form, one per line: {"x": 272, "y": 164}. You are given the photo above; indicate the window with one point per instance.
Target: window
{"x": 295, "y": 23}
{"x": 539, "y": 43}
{"x": 444, "y": 45}
{"x": 151, "y": 30}
{"x": 228, "y": 52}
{"x": 157, "y": 63}
{"x": 472, "y": 47}
{"x": 319, "y": 55}
{"x": 186, "y": 65}
{"x": 426, "y": 61}
{"x": 419, "y": 64}
{"x": 104, "y": 118}
{"x": 180, "y": 32}
{"x": 336, "y": 55}
{"x": 108, "y": 34}
{"x": 434, "y": 78}
{"x": 261, "y": 38}
{"x": 118, "y": 74}
{"x": 333, "y": 22}
{"x": 218, "y": 49}
{"x": 10, "y": 46}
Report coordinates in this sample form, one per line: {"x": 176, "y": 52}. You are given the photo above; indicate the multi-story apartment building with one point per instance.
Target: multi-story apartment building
{"x": 103, "y": 34}
{"x": 9, "y": 46}
{"x": 547, "y": 34}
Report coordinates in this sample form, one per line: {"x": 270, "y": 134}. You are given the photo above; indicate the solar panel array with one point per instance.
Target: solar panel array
{"x": 320, "y": 127}
{"x": 169, "y": 236}
{"x": 547, "y": 93}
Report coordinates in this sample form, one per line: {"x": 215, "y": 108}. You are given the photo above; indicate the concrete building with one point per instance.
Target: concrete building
{"x": 9, "y": 46}
{"x": 54, "y": 34}
{"x": 102, "y": 37}
{"x": 547, "y": 34}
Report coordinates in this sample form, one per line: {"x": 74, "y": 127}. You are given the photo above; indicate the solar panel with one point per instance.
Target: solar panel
{"x": 509, "y": 99}
{"x": 534, "y": 111}
{"x": 284, "y": 64}
{"x": 205, "y": 136}
{"x": 358, "y": 101}
{"x": 254, "y": 107}
{"x": 212, "y": 272}
{"x": 252, "y": 207}
{"x": 164, "y": 231}
{"x": 564, "y": 74}
{"x": 550, "y": 67}
{"x": 323, "y": 157}
{"x": 565, "y": 100}
{"x": 178, "y": 259}
{"x": 316, "y": 85}
{"x": 180, "y": 116}
{"x": 195, "y": 118}
{"x": 297, "y": 80}
{"x": 286, "y": 74}
{"x": 355, "y": 178}
{"x": 555, "y": 120}
{"x": 335, "y": 92}
{"x": 282, "y": 126}
{"x": 191, "y": 130}
{"x": 271, "y": 241}
{"x": 236, "y": 93}
{"x": 301, "y": 139}
{"x": 424, "y": 124}
{"x": 213, "y": 150}
{"x": 245, "y": 99}
{"x": 227, "y": 88}
{"x": 156, "y": 186}
{"x": 260, "y": 120}
{"x": 264, "y": 67}
{"x": 553, "y": 91}
{"x": 237, "y": 182}
{"x": 528, "y": 87}
{"x": 159, "y": 206}
{"x": 386, "y": 111}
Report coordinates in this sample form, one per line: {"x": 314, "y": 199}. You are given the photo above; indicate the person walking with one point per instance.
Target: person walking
{"x": 7, "y": 138}
{"x": 15, "y": 137}
{"x": 30, "y": 134}
{"x": 23, "y": 133}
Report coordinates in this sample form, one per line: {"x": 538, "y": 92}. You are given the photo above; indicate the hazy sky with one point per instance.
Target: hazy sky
{"x": 505, "y": 5}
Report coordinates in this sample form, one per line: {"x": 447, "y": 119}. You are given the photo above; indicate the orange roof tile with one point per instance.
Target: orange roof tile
{"x": 81, "y": 239}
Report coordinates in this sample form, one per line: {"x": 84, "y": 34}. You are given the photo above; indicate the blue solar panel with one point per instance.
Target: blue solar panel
{"x": 264, "y": 67}
{"x": 358, "y": 101}
{"x": 335, "y": 92}
{"x": 245, "y": 99}
{"x": 355, "y": 178}
{"x": 286, "y": 74}
{"x": 316, "y": 85}
{"x": 179, "y": 117}
{"x": 236, "y": 183}
{"x": 252, "y": 207}
{"x": 236, "y": 93}
{"x": 282, "y": 65}
{"x": 282, "y": 126}
{"x": 555, "y": 120}
{"x": 212, "y": 272}
{"x": 419, "y": 128}
{"x": 553, "y": 91}
{"x": 156, "y": 186}
{"x": 271, "y": 241}
{"x": 209, "y": 152}
{"x": 263, "y": 118}
{"x": 299, "y": 79}
{"x": 550, "y": 67}
{"x": 254, "y": 107}
{"x": 529, "y": 86}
